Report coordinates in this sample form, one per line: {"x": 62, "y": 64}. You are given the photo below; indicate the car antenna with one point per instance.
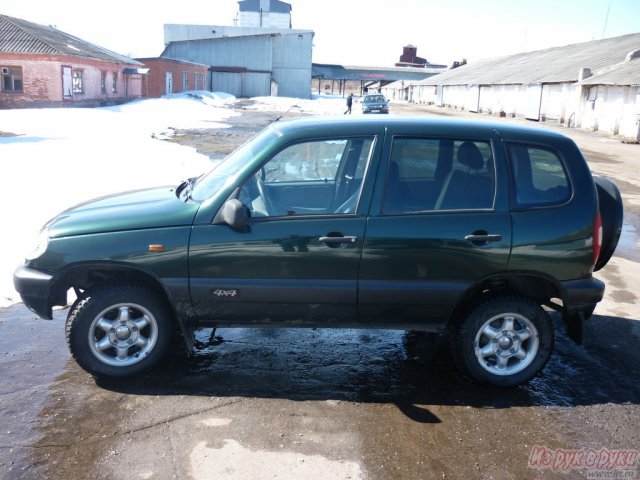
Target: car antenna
{"x": 278, "y": 118}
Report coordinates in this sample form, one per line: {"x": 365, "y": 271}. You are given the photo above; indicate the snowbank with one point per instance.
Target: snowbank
{"x": 320, "y": 105}
{"x": 217, "y": 99}
{"x": 65, "y": 156}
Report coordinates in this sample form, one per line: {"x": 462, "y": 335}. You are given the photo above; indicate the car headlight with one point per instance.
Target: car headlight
{"x": 41, "y": 245}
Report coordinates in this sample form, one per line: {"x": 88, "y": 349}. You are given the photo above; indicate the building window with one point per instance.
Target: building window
{"x": 78, "y": 82}
{"x": 185, "y": 81}
{"x": 114, "y": 85}
{"x": 103, "y": 83}
{"x": 11, "y": 79}
{"x": 196, "y": 81}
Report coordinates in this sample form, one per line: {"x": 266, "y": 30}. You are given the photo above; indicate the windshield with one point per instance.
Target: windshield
{"x": 373, "y": 98}
{"x": 226, "y": 171}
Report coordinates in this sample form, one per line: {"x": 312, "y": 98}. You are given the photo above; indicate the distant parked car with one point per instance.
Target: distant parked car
{"x": 375, "y": 103}
{"x": 402, "y": 223}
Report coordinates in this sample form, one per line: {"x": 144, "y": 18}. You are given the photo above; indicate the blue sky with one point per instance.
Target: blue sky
{"x": 355, "y": 32}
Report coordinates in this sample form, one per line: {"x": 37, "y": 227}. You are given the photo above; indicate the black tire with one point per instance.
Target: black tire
{"x": 518, "y": 332}
{"x": 118, "y": 330}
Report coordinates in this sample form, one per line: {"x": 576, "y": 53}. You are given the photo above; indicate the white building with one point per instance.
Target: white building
{"x": 249, "y": 60}
{"x": 593, "y": 85}
{"x": 264, "y": 14}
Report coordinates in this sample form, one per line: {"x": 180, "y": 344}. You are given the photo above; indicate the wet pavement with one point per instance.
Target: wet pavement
{"x": 322, "y": 403}
{"x": 353, "y": 403}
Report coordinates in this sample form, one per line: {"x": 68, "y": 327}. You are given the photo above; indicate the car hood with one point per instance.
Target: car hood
{"x": 140, "y": 209}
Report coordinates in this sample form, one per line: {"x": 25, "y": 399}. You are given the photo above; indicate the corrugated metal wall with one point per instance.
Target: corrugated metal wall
{"x": 256, "y": 84}
{"x": 292, "y": 64}
{"x": 283, "y": 58}
{"x": 227, "y": 82}
{"x": 253, "y": 53}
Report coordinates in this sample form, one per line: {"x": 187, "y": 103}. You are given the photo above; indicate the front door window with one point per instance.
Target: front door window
{"x": 321, "y": 177}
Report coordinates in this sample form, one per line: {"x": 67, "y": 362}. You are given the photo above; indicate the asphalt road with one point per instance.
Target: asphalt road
{"x": 328, "y": 404}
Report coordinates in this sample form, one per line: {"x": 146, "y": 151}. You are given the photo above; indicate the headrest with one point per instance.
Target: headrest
{"x": 469, "y": 155}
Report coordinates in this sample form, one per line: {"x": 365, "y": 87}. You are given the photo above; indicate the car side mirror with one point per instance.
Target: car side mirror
{"x": 234, "y": 214}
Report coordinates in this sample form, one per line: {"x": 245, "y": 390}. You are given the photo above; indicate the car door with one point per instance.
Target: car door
{"x": 437, "y": 227}
{"x": 296, "y": 262}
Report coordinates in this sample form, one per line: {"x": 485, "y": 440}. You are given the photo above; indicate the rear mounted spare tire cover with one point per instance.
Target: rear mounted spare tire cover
{"x": 611, "y": 213}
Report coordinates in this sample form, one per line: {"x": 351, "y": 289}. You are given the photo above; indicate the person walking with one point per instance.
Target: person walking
{"x": 349, "y": 103}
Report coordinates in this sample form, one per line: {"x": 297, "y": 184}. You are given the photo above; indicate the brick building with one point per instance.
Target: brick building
{"x": 41, "y": 66}
{"x": 168, "y": 76}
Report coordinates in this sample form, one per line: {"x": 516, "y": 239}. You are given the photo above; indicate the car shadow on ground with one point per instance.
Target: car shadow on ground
{"x": 405, "y": 368}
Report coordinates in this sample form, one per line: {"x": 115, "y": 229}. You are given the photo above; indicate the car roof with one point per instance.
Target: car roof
{"x": 321, "y": 125}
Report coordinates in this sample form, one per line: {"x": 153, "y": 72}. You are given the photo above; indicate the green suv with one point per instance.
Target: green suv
{"x": 401, "y": 223}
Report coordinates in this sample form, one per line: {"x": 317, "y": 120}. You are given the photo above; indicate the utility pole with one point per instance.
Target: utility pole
{"x": 606, "y": 19}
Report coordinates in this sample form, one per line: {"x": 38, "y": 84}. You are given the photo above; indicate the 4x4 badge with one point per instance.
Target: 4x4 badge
{"x": 223, "y": 292}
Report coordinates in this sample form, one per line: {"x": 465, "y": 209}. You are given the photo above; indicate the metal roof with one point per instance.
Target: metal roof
{"x": 626, "y": 73}
{"x": 345, "y": 72}
{"x": 145, "y": 60}
{"x": 255, "y": 6}
{"x": 21, "y": 36}
{"x": 553, "y": 65}
{"x": 399, "y": 84}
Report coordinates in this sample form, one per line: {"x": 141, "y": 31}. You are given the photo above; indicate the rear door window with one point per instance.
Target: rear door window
{"x": 539, "y": 176}
{"x": 427, "y": 174}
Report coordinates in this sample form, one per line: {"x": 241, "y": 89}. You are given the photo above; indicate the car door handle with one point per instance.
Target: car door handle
{"x": 483, "y": 238}
{"x": 338, "y": 240}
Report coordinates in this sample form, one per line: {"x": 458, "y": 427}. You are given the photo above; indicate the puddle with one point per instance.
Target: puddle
{"x": 629, "y": 243}
{"x": 33, "y": 354}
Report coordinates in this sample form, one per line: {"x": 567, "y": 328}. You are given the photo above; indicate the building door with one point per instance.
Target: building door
{"x": 67, "y": 83}
{"x": 534, "y": 101}
{"x": 229, "y": 82}
{"x": 169, "y": 83}
{"x": 473, "y": 98}
{"x": 439, "y": 95}
{"x": 638, "y": 114}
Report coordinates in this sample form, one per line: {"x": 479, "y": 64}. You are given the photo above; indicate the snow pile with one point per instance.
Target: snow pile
{"x": 320, "y": 105}
{"x": 216, "y": 99}
{"x": 65, "y": 156}
{"x": 177, "y": 111}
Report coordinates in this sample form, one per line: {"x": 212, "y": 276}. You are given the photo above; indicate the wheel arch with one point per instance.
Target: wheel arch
{"x": 535, "y": 286}
{"x": 86, "y": 276}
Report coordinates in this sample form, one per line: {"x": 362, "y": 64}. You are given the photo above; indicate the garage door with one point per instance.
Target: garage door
{"x": 227, "y": 82}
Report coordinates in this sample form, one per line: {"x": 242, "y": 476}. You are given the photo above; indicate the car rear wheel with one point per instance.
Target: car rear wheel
{"x": 505, "y": 341}
{"x": 118, "y": 330}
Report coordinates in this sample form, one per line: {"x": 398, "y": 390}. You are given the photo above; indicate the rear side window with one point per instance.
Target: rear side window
{"x": 430, "y": 174}
{"x": 539, "y": 176}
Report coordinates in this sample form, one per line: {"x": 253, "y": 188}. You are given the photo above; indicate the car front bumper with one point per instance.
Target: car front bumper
{"x": 34, "y": 288}
{"x": 375, "y": 110}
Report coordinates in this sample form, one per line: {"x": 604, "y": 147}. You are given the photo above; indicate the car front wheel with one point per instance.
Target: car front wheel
{"x": 505, "y": 341}
{"x": 118, "y": 330}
